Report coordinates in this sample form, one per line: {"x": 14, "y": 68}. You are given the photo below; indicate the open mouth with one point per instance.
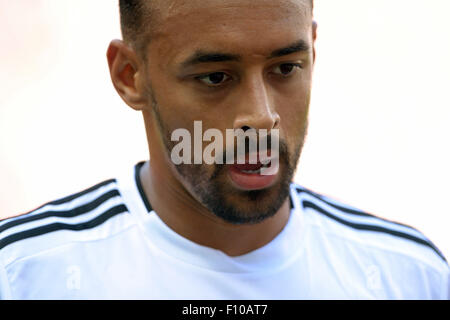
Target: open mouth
{"x": 256, "y": 176}
{"x": 252, "y": 168}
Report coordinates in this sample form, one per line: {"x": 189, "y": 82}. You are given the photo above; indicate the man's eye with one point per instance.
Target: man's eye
{"x": 286, "y": 69}
{"x": 214, "y": 79}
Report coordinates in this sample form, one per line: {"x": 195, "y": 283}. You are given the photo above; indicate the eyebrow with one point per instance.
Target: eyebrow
{"x": 201, "y": 56}
{"x": 206, "y": 57}
{"x": 299, "y": 46}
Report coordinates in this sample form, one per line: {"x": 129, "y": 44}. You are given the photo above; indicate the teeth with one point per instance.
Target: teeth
{"x": 251, "y": 171}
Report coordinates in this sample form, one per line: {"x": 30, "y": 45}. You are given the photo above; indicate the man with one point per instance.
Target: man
{"x": 202, "y": 229}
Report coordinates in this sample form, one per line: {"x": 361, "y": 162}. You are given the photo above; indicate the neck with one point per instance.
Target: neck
{"x": 185, "y": 215}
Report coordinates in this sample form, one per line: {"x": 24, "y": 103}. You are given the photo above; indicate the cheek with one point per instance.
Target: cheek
{"x": 179, "y": 108}
{"x": 293, "y": 110}
{"x": 174, "y": 113}
{"x": 175, "y": 106}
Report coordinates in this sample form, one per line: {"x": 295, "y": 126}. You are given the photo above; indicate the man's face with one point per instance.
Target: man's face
{"x": 231, "y": 64}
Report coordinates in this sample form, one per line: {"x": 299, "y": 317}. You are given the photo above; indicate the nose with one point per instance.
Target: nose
{"x": 255, "y": 107}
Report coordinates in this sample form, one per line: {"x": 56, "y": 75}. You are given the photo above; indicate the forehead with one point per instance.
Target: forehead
{"x": 233, "y": 25}
{"x": 169, "y": 8}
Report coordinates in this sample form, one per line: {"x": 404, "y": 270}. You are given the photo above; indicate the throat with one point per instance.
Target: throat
{"x": 179, "y": 210}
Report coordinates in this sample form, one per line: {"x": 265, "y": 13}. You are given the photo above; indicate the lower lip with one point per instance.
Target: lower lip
{"x": 250, "y": 181}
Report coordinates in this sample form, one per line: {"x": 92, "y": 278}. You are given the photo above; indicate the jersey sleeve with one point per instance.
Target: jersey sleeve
{"x": 448, "y": 286}
{"x": 5, "y": 289}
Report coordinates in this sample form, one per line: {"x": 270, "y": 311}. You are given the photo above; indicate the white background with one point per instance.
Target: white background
{"x": 379, "y": 124}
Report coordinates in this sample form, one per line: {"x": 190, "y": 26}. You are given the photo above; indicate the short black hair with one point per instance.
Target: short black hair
{"x": 133, "y": 15}
{"x": 131, "y": 19}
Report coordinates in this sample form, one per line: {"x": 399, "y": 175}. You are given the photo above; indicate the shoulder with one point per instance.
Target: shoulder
{"x": 87, "y": 215}
{"x": 382, "y": 239}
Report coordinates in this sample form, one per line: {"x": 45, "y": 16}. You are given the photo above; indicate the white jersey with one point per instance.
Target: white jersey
{"x": 107, "y": 243}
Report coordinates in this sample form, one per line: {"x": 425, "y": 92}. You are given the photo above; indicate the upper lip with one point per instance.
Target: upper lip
{"x": 259, "y": 160}
{"x": 248, "y": 167}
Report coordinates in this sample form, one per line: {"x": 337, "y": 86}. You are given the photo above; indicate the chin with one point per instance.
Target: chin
{"x": 246, "y": 207}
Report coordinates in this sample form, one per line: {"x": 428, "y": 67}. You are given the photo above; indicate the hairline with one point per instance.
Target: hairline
{"x": 141, "y": 39}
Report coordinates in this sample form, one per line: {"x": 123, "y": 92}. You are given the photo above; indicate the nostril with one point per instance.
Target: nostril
{"x": 245, "y": 128}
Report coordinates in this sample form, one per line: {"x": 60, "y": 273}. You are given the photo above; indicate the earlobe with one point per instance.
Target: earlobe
{"x": 314, "y": 36}
{"x": 125, "y": 74}
{"x": 314, "y": 30}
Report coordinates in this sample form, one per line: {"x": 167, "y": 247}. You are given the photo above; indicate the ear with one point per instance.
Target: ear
{"x": 126, "y": 75}
{"x": 314, "y": 36}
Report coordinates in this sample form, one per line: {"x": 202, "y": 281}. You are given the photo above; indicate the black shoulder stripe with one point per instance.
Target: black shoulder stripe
{"x": 63, "y": 226}
{"x": 63, "y": 213}
{"x": 368, "y": 227}
{"x": 68, "y": 198}
{"x": 82, "y": 193}
{"x": 349, "y": 210}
